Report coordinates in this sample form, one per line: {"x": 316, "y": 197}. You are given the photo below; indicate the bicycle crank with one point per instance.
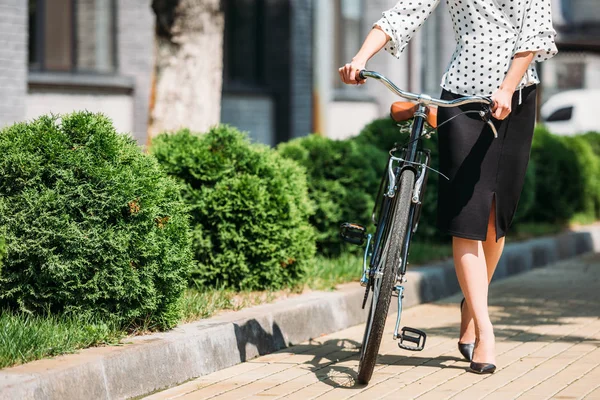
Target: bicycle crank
{"x": 411, "y": 335}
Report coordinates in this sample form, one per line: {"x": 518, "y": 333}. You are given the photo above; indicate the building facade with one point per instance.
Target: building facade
{"x": 280, "y": 61}
{"x": 577, "y": 65}
{"x": 65, "y": 55}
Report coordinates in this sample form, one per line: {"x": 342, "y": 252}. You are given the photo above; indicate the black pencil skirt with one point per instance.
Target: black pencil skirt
{"x": 481, "y": 167}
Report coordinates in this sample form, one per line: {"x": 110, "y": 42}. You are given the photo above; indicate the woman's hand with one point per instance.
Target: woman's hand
{"x": 502, "y": 103}
{"x": 349, "y": 72}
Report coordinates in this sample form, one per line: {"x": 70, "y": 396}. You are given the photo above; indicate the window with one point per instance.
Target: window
{"x": 562, "y": 114}
{"x": 244, "y": 43}
{"x": 349, "y": 35}
{"x": 72, "y": 35}
{"x": 571, "y": 75}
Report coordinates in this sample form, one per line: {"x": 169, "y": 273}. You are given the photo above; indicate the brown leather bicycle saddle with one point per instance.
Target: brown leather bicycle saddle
{"x": 404, "y": 110}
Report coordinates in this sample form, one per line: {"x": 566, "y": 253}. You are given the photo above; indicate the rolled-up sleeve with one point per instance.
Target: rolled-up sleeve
{"x": 537, "y": 33}
{"x": 403, "y": 21}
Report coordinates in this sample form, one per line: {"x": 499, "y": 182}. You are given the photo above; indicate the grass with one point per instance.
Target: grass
{"x": 25, "y": 337}
{"x": 204, "y": 304}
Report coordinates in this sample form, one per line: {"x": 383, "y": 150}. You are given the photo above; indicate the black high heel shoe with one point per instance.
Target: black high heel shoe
{"x": 466, "y": 349}
{"x": 481, "y": 368}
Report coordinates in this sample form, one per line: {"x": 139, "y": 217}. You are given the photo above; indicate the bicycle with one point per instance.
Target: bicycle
{"x": 396, "y": 216}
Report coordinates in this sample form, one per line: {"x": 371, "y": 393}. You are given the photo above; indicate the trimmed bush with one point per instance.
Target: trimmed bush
{"x": 343, "y": 179}
{"x": 383, "y": 133}
{"x": 92, "y": 225}
{"x": 558, "y": 183}
{"x": 587, "y": 164}
{"x": 2, "y": 253}
{"x": 249, "y": 209}
{"x": 593, "y": 138}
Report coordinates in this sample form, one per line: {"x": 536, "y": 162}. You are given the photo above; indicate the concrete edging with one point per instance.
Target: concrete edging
{"x": 158, "y": 361}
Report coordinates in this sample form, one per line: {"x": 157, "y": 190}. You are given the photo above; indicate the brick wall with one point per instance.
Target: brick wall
{"x": 135, "y": 42}
{"x": 13, "y": 60}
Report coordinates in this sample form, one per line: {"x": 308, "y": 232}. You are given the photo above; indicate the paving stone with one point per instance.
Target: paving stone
{"x": 547, "y": 329}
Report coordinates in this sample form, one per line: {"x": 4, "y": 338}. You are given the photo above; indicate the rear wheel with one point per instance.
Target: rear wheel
{"x": 385, "y": 277}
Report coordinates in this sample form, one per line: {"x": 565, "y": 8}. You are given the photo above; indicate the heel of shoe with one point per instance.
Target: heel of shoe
{"x": 466, "y": 349}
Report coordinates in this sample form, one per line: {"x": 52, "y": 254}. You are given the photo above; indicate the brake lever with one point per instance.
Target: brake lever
{"x": 485, "y": 116}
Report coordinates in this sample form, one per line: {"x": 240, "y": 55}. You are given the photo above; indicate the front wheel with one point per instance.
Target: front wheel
{"x": 384, "y": 277}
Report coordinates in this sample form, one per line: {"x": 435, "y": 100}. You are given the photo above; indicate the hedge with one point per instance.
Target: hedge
{"x": 92, "y": 225}
{"x": 559, "y": 181}
{"x": 593, "y": 139}
{"x": 343, "y": 178}
{"x": 249, "y": 209}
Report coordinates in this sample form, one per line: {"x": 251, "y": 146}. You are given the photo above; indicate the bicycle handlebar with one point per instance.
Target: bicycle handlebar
{"x": 428, "y": 100}
{"x": 423, "y": 98}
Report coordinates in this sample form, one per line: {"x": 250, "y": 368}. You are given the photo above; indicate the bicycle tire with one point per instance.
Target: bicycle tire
{"x": 391, "y": 260}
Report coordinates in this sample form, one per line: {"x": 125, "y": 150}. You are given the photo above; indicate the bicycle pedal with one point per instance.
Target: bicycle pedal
{"x": 353, "y": 233}
{"x": 412, "y": 335}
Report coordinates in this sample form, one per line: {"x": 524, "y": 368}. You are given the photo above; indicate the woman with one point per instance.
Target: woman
{"x": 498, "y": 43}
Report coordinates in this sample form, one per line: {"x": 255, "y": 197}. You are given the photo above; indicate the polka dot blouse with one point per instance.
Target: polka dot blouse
{"x": 488, "y": 34}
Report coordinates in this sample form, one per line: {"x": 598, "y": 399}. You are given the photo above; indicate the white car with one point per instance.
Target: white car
{"x": 572, "y": 112}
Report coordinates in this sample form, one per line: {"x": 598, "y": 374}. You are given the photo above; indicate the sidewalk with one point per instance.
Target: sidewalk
{"x": 547, "y": 326}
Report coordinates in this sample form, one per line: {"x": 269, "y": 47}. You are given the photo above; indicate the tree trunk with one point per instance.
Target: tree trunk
{"x": 186, "y": 89}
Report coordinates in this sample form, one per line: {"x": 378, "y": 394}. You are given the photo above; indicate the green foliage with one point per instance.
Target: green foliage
{"x": 92, "y": 225}
{"x": 343, "y": 178}
{"x": 2, "y": 252}
{"x": 593, "y": 139}
{"x": 559, "y": 183}
{"x": 249, "y": 209}
{"x": 588, "y": 166}
{"x": 383, "y": 133}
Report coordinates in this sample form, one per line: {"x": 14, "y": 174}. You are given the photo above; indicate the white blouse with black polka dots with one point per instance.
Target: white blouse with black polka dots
{"x": 488, "y": 34}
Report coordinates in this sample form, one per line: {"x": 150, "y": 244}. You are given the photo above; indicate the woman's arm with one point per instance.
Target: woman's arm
{"x": 374, "y": 42}
{"x": 503, "y": 96}
{"x": 393, "y": 31}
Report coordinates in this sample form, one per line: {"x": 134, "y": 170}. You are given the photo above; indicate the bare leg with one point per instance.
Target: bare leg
{"x": 492, "y": 251}
{"x": 469, "y": 261}
{"x": 470, "y": 257}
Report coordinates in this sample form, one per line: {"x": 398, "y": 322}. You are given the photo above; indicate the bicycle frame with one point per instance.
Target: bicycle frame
{"x": 392, "y": 173}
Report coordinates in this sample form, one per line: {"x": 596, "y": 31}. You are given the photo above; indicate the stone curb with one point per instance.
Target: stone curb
{"x": 158, "y": 361}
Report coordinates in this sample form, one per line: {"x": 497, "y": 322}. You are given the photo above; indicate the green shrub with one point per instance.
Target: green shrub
{"x": 384, "y": 133}
{"x": 92, "y": 225}
{"x": 558, "y": 182}
{"x": 2, "y": 253}
{"x": 593, "y": 138}
{"x": 343, "y": 178}
{"x": 249, "y": 209}
{"x": 587, "y": 164}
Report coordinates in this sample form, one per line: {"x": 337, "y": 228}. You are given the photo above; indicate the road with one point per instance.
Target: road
{"x": 547, "y": 326}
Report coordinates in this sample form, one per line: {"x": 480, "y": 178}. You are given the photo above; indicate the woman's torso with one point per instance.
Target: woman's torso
{"x": 486, "y": 33}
